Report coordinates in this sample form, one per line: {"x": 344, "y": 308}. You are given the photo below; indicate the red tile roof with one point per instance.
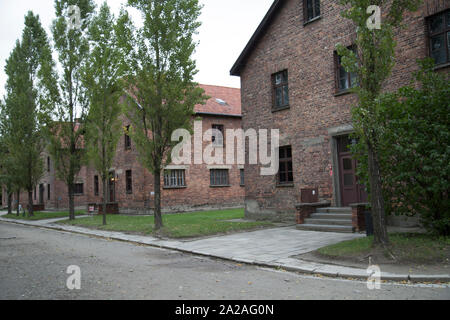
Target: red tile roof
{"x": 223, "y": 101}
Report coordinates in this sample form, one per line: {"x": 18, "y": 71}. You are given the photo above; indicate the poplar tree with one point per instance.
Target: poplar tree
{"x": 372, "y": 62}
{"x": 161, "y": 87}
{"x": 71, "y": 103}
{"x": 103, "y": 74}
{"x": 27, "y": 103}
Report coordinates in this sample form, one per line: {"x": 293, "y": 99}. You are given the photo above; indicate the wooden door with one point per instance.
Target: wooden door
{"x": 112, "y": 187}
{"x": 351, "y": 190}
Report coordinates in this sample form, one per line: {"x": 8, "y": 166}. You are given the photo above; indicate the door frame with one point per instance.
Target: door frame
{"x": 336, "y": 133}
{"x": 111, "y": 183}
{"x": 336, "y": 167}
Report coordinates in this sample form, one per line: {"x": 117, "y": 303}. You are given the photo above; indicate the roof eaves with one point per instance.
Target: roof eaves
{"x": 219, "y": 114}
{"x": 236, "y": 69}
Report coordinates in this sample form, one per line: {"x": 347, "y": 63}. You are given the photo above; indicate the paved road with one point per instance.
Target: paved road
{"x": 33, "y": 264}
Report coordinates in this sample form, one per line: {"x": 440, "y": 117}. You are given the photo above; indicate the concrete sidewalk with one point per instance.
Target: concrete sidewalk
{"x": 269, "y": 247}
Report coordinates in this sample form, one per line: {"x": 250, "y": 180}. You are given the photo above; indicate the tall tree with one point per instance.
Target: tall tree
{"x": 29, "y": 88}
{"x": 103, "y": 79}
{"x": 161, "y": 83}
{"x": 8, "y": 179}
{"x": 71, "y": 103}
{"x": 373, "y": 62}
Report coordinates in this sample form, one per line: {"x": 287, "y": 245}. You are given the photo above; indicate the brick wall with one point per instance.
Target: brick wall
{"x": 198, "y": 193}
{"x": 307, "y": 52}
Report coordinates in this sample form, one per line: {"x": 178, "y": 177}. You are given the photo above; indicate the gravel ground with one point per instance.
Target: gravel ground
{"x": 33, "y": 264}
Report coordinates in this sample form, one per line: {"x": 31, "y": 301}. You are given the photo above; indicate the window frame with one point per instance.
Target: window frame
{"x": 216, "y": 179}
{"x": 96, "y": 186}
{"x": 129, "y": 181}
{"x": 337, "y": 73}
{"x": 285, "y": 160}
{"x": 445, "y": 30}
{"x": 76, "y": 192}
{"x": 316, "y": 16}
{"x": 242, "y": 177}
{"x": 127, "y": 139}
{"x": 284, "y": 102}
{"x": 174, "y": 178}
{"x": 221, "y": 128}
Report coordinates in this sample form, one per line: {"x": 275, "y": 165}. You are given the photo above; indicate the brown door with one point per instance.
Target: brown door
{"x": 351, "y": 190}
{"x": 112, "y": 187}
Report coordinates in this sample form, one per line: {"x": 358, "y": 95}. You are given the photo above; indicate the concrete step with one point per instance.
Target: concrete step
{"x": 325, "y": 228}
{"x": 339, "y": 222}
{"x": 334, "y": 216}
{"x": 335, "y": 210}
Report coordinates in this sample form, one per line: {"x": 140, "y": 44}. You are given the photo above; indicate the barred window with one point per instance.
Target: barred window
{"x": 127, "y": 139}
{"x": 78, "y": 189}
{"x": 219, "y": 177}
{"x": 345, "y": 80}
{"x": 218, "y": 135}
{"x": 285, "y": 175}
{"x": 174, "y": 178}
{"x": 129, "y": 181}
{"x": 439, "y": 37}
{"x": 280, "y": 88}
{"x": 96, "y": 190}
{"x": 311, "y": 9}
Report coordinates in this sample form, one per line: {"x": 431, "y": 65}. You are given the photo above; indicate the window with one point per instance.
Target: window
{"x": 48, "y": 192}
{"x": 345, "y": 80}
{"x": 219, "y": 177}
{"x": 127, "y": 139}
{"x": 48, "y": 164}
{"x": 439, "y": 34}
{"x": 129, "y": 182}
{"x": 285, "y": 175}
{"x": 242, "y": 173}
{"x": 96, "y": 189}
{"x": 280, "y": 89}
{"x": 34, "y": 193}
{"x": 174, "y": 179}
{"x": 311, "y": 9}
{"x": 78, "y": 189}
{"x": 218, "y": 135}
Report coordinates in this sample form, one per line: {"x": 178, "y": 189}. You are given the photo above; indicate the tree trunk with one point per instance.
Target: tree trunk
{"x": 376, "y": 199}
{"x": 30, "y": 203}
{"x": 71, "y": 202}
{"x": 9, "y": 202}
{"x": 105, "y": 194}
{"x": 158, "y": 217}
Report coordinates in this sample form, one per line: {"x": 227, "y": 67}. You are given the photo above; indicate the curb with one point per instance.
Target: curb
{"x": 311, "y": 268}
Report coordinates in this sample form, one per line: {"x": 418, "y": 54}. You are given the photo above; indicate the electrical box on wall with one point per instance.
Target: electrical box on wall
{"x": 309, "y": 195}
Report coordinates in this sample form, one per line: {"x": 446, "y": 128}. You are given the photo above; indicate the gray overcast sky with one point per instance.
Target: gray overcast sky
{"x": 227, "y": 25}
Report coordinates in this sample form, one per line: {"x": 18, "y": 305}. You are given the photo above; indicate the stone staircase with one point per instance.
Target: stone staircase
{"x": 329, "y": 220}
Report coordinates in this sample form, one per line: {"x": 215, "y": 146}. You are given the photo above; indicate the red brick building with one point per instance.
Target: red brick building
{"x": 291, "y": 80}
{"x": 185, "y": 187}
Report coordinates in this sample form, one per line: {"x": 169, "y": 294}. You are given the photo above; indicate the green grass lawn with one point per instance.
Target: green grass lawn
{"x": 43, "y": 215}
{"x": 406, "y": 247}
{"x": 182, "y": 225}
